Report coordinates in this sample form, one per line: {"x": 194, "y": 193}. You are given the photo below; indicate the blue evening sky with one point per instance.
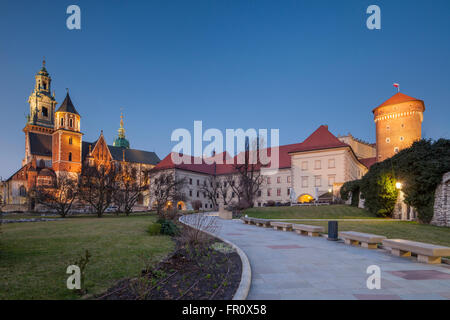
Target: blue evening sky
{"x": 292, "y": 65}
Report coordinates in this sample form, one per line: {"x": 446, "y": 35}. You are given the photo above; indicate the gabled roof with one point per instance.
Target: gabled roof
{"x": 67, "y": 106}
{"x": 396, "y": 99}
{"x": 40, "y": 144}
{"x": 319, "y": 139}
{"x": 131, "y": 155}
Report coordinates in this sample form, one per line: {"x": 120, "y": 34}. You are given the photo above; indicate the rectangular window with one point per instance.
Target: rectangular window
{"x": 331, "y": 179}
{"x": 259, "y": 193}
{"x": 288, "y": 191}
{"x": 305, "y": 165}
{"x": 278, "y": 192}
{"x": 198, "y": 182}
{"x": 268, "y": 180}
{"x": 304, "y": 182}
{"x": 278, "y": 179}
{"x": 318, "y": 181}
{"x": 331, "y": 163}
{"x": 288, "y": 179}
{"x": 317, "y": 164}
{"x": 190, "y": 180}
{"x": 268, "y": 192}
{"x": 190, "y": 193}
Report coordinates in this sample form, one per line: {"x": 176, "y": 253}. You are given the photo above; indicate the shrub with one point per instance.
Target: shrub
{"x": 168, "y": 227}
{"x": 270, "y": 203}
{"x": 419, "y": 169}
{"x": 354, "y": 188}
{"x": 154, "y": 229}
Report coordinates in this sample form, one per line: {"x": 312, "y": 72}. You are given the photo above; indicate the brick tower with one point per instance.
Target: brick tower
{"x": 398, "y": 123}
{"x": 67, "y": 139}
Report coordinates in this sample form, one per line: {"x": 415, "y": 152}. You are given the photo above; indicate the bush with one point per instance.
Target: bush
{"x": 270, "y": 203}
{"x": 168, "y": 227}
{"x": 419, "y": 168}
{"x": 154, "y": 229}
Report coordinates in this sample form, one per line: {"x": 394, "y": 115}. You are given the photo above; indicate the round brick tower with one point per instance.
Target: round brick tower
{"x": 398, "y": 123}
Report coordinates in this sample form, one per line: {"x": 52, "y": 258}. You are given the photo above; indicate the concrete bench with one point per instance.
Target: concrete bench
{"x": 367, "y": 240}
{"x": 427, "y": 253}
{"x": 281, "y": 226}
{"x": 246, "y": 220}
{"x": 262, "y": 222}
{"x": 307, "y": 230}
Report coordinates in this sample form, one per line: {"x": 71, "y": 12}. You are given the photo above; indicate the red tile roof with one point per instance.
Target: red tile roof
{"x": 397, "y": 98}
{"x": 318, "y": 140}
{"x": 368, "y": 162}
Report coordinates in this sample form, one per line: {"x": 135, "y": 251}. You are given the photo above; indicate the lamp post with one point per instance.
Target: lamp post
{"x": 398, "y": 185}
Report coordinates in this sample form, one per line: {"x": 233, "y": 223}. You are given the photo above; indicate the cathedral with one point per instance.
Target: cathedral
{"x": 54, "y": 144}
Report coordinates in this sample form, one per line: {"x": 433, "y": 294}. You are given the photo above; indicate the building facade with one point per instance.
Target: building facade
{"x": 308, "y": 171}
{"x": 54, "y": 144}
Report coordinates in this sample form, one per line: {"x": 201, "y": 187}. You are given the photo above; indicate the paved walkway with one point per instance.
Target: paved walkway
{"x": 288, "y": 266}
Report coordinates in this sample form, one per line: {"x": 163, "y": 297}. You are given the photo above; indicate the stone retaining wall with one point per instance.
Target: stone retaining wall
{"x": 442, "y": 203}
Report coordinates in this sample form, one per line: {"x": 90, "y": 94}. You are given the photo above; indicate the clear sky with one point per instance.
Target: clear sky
{"x": 292, "y": 65}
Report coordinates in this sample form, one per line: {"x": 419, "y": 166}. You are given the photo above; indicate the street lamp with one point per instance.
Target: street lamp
{"x": 398, "y": 185}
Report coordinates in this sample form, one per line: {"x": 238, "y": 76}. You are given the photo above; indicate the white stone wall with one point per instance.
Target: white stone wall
{"x": 442, "y": 203}
{"x": 322, "y": 169}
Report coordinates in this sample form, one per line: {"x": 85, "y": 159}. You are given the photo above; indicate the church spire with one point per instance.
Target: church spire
{"x": 121, "y": 141}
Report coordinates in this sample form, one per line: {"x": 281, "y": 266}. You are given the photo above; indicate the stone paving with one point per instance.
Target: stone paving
{"x": 289, "y": 266}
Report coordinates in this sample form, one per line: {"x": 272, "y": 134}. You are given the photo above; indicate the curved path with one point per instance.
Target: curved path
{"x": 288, "y": 266}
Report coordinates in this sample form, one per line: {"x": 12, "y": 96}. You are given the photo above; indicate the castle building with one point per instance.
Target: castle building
{"x": 54, "y": 144}
{"x": 314, "y": 169}
{"x": 398, "y": 124}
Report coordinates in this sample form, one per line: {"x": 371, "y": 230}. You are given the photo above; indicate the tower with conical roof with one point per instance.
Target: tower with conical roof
{"x": 398, "y": 123}
{"x": 67, "y": 139}
{"x": 121, "y": 141}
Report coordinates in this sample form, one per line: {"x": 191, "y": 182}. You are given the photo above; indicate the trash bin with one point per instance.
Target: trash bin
{"x": 332, "y": 230}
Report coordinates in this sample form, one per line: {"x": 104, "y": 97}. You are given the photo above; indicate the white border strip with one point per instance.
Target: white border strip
{"x": 246, "y": 277}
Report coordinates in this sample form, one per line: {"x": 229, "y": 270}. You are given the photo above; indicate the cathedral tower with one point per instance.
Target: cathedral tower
{"x": 398, "y": 124}
{"x": 40, "y": 120}
{"x": 67, "y": 139}
{"x": 42, "y": 102}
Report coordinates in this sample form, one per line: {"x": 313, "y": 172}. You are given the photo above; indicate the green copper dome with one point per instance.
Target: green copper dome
{"x": 121, "y": 141}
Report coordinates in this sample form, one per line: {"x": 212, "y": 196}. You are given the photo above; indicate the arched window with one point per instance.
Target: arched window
{"x": 70, "y": 156}
{"x": 62, "y": 122}
{"x": 71, "y": 123}
{"x": 22, "y": 191}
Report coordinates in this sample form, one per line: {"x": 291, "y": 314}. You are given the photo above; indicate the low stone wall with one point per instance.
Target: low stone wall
{"x": 442, "y": 203}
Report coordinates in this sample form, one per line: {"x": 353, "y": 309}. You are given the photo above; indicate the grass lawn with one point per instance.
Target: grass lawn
{"x": 34, "y": 255}
{"x": 312, "y": 212}
{"x": 393, "y": 229}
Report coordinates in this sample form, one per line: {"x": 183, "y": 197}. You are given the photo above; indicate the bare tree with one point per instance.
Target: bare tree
{"x": 60, "y": 196}
{"x": 249, "y": 178}
{"x": 165, "y": 187}
{"x": 130, "y": 184}
{"x": 210, "y": 188}
{"x": 223, "y": 190}
{"x": 97, "y": 186}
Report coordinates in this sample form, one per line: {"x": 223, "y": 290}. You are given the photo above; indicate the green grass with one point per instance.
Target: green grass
{"x": 393, "y": 230}
{"x": 34, "y": 256}
{"x": 310, "y": 212}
